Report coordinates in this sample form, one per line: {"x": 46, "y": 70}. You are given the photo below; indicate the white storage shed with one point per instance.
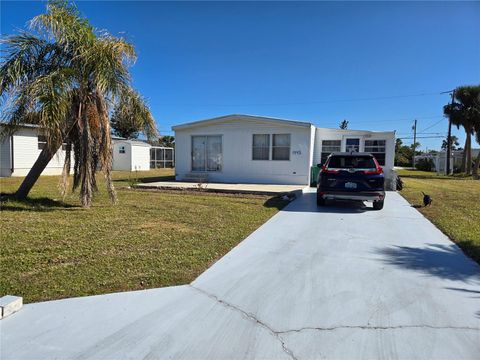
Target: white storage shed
{"x": 131, "y": 155}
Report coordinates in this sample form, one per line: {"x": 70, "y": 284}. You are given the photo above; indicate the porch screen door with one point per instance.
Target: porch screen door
{"x": 352, "y": 144}
{"x": 207, "y": 153}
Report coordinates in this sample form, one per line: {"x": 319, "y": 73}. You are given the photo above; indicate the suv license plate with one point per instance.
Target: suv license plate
{"x": 350, "y": 185}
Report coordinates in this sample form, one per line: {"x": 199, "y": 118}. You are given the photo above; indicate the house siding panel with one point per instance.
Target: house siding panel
{"x": 26, "y": 152}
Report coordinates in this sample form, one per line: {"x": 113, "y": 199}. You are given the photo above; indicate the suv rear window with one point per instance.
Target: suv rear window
{"x": 351, "y": 162}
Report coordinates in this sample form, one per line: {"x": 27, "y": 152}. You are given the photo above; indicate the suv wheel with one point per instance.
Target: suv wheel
{"x": 320, "y": 201}
{"x": 378, "y": 205}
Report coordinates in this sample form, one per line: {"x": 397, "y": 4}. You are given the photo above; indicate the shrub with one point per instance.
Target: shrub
{"x": 425, "y": 165}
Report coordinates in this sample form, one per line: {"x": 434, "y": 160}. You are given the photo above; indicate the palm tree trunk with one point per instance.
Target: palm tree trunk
{"x": 43, "y": 159}
{"x": 463, "y": 167}
{"x": 468, "y": 150}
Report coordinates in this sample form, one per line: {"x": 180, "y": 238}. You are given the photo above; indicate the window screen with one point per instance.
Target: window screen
{"x": 281, "y": 147}
{"x": 261, "y": 147}
{"x": 328, "y": 147}
{"x": 377, "y": 149}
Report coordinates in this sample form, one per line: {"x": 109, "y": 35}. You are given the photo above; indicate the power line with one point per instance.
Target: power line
{"x": 422, "y": 137}
{"x": 310, "y": 102}
{"x": 398, "y": 119}
{"x": 431, "y": 126}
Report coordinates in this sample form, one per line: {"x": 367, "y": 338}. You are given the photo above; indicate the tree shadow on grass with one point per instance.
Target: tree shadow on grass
{"x": 277, "y": 202}
{"x": 443, "y": 261}
{"x": 146, "y": 179}
{"x": 8, "y": 202}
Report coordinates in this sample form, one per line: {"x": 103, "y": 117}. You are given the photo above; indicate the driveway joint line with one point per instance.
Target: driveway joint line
{"x": 250, "y": 316}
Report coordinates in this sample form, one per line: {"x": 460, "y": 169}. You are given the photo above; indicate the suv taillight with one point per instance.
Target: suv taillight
{"x": 326, "y": 171}
{"x": 378, "y": 169}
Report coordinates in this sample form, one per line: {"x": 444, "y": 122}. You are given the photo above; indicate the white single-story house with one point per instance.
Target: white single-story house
{"x": 257, "y": 149}
{"x": 18, "y": 153}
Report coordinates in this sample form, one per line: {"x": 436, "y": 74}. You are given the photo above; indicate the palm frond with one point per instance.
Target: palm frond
{"x": 108, "y": 60}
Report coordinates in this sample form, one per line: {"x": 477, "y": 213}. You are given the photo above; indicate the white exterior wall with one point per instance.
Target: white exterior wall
{"x": 25, "y": 153}
{"x": 238, "y": 166}
{"x": 140, "y": 157}
{"x": 122, "y": 161}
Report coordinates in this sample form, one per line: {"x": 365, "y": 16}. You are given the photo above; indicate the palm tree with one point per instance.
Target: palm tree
{"x": 465, "y": 112}
{"x": 64, "y": 76}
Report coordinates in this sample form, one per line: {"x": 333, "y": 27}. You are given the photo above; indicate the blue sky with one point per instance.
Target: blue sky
{"x": 312, "y": 61}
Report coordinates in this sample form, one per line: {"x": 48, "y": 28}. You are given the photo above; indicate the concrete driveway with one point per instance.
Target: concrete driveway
{"x": 342, "y": 282}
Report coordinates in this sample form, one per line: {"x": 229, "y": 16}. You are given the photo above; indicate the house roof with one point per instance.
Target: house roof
{"x": 242, "y": 117}
{"x": 132, "y": 142}
{"x": 33, "y": 126}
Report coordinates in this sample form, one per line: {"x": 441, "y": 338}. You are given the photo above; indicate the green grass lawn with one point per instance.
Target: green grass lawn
{"x": 455, "y": 209}
{"x": 53, "y": 249}
{"x": 413, "y": 173}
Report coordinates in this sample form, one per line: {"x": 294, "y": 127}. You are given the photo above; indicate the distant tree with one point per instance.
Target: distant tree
{"x": 344, "y": 124}
{"x": 131, "y": 116}
{"x": 453, "y": 143}
{"x": 403, "y": 154}
{"x": 166, "y": 141}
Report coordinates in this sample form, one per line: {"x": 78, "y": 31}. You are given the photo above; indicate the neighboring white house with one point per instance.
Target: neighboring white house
{"x": 439, "y": 160}
{"x": 131, "y": 155}
{"x": 18, "y": 152}
{"x": 255, "y": 149}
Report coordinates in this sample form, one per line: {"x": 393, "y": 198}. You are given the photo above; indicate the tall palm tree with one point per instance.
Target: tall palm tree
{"x": 465, "y": 112}
{"x": 64, "y": 76}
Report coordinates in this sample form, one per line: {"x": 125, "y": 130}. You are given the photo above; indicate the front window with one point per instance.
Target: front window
{"x": 377, "y": 149}
{"x": 261, "y": 147}
{"x": 281, "y": 147}
{"x": 207, "y": 153}
{"x": 328, "y": 147}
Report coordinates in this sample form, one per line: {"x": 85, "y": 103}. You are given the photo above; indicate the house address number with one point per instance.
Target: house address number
{"x": 296, "y": 152}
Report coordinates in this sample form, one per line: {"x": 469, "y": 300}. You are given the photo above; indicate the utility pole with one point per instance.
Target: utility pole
{"x": 414, "y": 141}
{"x": 449, "y": 137}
